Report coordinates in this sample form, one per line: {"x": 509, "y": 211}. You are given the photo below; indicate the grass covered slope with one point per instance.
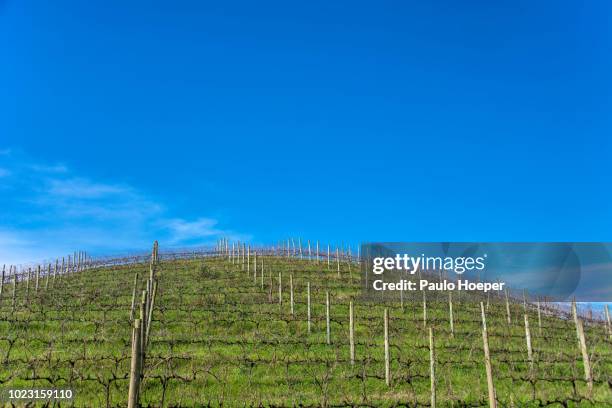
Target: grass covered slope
{"x": 220, "y": 336}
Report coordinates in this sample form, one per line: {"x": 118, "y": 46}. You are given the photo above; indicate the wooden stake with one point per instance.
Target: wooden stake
{"x": 432, "y": 367}
{"x": 338, "y": 261}
{"x": 386, "y": 328}
{"x": 424, "y": 309}
{"x": 133, "y": 297}
{"x": 539, "y": 318}
{"x": 328, "y": 337}
{"x": 608, "y": 323}
{"x": 588, "y": 375}
{"x": 352, "y": 333}
{"x": 450, "y": 313}
{"x": 487, "y": 355}
{"x": 280, "y": 288}
{"x": 308, "y": 304}
{"x": 291, "y": 293}
{"x": 508, "y": 308}
{"x": 528, "y": 340}
{"x": 135, "y": 366}
{"x": 2, "y": 281}
{"x": 14, "y": 290}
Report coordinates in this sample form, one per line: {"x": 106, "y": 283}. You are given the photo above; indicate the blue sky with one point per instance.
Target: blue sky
{"x": 124, "y": 122}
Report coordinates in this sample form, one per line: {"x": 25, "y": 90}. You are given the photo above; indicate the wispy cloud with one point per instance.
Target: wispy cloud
{"x": 50, "y": 211}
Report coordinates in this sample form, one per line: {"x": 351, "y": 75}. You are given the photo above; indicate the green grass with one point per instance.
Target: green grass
{"x": 217, "y": 338}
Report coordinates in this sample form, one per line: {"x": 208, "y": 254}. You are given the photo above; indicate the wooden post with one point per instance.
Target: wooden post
{"x": 539, "y": 318}
{"x": 487, "y": 355}
{"x": 528, "y": 340}
{"x": 424, "y": 309}
{"x": 352, "y": 333}
{"x": 301, "y": 254}
{"x": 150, "y": 312}
{"x": 309, "y": 253}
{"x": 37, "y": 277}
{"x": 386, "y": 328}
{"x": 47, "y": 277}
{"x": 588, "y": 376}
{"x": 317, "y": 251}
{"x": 28, "y": 286}
{"x": 308, "y": 304}
{"x": 508, "y": 308}
{"x": 338, "y": 261}
{"x": 450, "y": 313}
{"x": 328, "y": 267}
{"x": 14, "y": 290}
{"x": 255, "y": 268}
{"x": 133, "y": 297}
{"x": 262, "y": 273}
{"x": 291, "y": 293}
{"x": 432, "y": 367}
{"x": 2, "y": 281}
{"x": 608, "y": 323}
{"x": 328, "y": 337}
{"x": 135, "y": 366}
{"x": 143, "y": 319}
{"x": 280, "y": 288}
{"x": 249, "y": 260}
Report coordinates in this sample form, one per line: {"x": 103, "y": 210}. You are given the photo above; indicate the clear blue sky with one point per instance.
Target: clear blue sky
{"x": 123, "y": 121}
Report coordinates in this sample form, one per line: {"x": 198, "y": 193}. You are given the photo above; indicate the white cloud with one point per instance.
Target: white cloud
{"x": 50, "y": 211}
{"x": 83, "y": 188}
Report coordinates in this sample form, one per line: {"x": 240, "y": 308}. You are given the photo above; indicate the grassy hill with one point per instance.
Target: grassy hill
{"x": 220, "y": 336}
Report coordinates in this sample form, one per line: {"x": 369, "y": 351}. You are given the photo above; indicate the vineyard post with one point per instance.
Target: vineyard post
{"x": 301, "y": 254}
{"x": 424, "y": 309}
{"x": 243, "y": 255}
{"x": 386, "y": 329}
{"x": 133, "y": 297}
{"x": 280, "y": 288}
{"x": 14, "y": 290}
{"x": 539, "y": 318}
{"x": 605, "y": 308}
{"x": 317, "y": 251}
{"x": 55, "y": 272}
{"x": 432, "y": 367}
{"x": 309, "y": 253}
{"x": 2, "y": 281}
{"x": 135, "y": 366}
{"x": 143, "y": 319}
{"x": 291, "y": 293}
{"x": 262, "y": 273}
{"x": 37, "y": 277}
{"x": 308, "y": 304}
{"x": 28, "y": 287}
{"x": 270, "y": 286}
{"x": 487, "y": 355}
{"x": 328, "y": 330}
{"x": 328, "y": 267}
{"x": 352, "y": 332}
{"x": 150, "y": 311}
{"x": 528, "y": 340}
{"x": 508, "y": 308}
{"x": 588, "y": 376}
{"x": 47, "y": 277}
{"x": 249, "y": 260}
{"x": 401, "y": 296}
{"x": 338, "y": 261}
{"x": 450, "y": 313}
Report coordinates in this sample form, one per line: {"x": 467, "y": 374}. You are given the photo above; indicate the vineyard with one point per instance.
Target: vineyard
{"x": 277, "y": 326}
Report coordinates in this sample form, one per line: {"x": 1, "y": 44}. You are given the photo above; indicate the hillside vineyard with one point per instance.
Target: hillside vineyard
{"x": 236, "y": 325}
